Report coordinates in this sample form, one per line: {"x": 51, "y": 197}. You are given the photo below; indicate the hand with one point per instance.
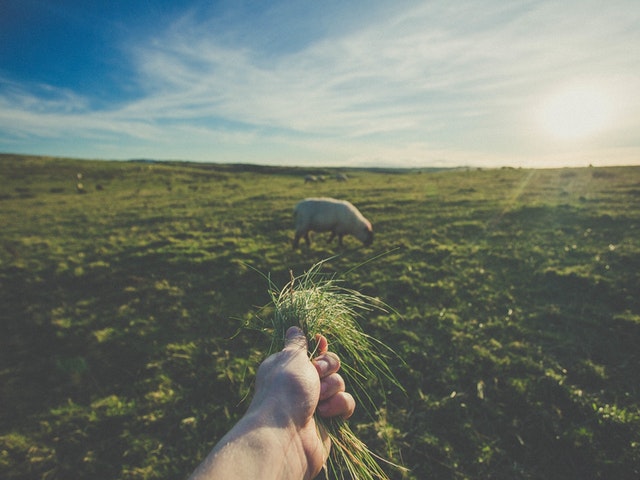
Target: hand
{"x": 278, "y": 437}
{"x": 289, "y": 383}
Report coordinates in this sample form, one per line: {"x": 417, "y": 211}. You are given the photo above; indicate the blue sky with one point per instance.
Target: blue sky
{"x": 350, "y": 83}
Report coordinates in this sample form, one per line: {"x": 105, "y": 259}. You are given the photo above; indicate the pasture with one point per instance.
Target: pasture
{"x": 515, "y": 296}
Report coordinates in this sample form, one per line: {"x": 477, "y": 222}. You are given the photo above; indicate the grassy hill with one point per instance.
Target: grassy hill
{"x": 516, "y": 295}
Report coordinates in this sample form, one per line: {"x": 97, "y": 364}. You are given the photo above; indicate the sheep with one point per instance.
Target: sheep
{"x": 310, "y": 179}
{"x": 330, "y": 215}
{"x": 341, "y": 177}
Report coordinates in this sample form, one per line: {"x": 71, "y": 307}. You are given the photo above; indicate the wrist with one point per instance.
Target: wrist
{"x": 269, "y": 412}
{"x": 255, "y": 448}
{"x": 267, "y": 428}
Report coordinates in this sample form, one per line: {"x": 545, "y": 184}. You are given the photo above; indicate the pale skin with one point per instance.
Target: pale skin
{"x": 278, "y": 438}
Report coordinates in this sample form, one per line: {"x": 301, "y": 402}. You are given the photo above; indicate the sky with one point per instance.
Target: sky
{"x": 398, "y": 83}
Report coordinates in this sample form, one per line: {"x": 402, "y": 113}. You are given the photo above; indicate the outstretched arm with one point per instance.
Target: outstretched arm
{"x": 277, "y": 438}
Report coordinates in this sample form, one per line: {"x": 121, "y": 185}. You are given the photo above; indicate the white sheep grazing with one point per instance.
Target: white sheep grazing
{"x": 330, "y": 215}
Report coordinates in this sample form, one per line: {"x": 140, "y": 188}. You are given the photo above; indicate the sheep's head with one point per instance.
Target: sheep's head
{"x": 366, "y": 235}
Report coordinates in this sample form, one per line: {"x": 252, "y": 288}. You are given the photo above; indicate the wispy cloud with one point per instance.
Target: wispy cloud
{"x": 433, "y": 83}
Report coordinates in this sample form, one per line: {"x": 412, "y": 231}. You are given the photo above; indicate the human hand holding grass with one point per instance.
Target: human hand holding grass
{"x": 318, "y": 305}
{"x": 299, "y": 411}
{"x": 278, "y": 437}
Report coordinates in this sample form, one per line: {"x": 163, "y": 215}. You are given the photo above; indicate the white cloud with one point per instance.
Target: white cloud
{"x": 437, "y": 82}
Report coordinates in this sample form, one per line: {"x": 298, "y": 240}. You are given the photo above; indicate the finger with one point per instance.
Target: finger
{"x": 331, "y": 385}
{"x": 322, "y": 344}
{"x": 341, "y": 404}
{"x": 326, "y": 364}
{"x": 295, "y": 339}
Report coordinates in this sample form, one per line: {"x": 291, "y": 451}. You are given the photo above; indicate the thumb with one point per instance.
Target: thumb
{"x": 295, "y": 339}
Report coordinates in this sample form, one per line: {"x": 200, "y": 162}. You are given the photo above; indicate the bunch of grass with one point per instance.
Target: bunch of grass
{"x": 318, "y": 304}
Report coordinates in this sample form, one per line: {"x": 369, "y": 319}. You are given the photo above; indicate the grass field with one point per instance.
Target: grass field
{"x": 516, "y": 300}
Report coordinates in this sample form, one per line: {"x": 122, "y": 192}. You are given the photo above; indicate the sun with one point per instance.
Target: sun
{"x": 577, "y": 112}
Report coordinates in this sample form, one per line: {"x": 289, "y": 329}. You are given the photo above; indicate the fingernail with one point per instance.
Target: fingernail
{"x": 293, "y": 332}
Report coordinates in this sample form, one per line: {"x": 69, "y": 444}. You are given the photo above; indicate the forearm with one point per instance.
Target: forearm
{"x": 256, "y": 447}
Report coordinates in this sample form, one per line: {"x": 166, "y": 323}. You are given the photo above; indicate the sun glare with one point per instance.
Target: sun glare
{"x": 576, "y": 113}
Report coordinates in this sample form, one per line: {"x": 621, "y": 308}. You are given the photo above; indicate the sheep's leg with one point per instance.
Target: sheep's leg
{"x": 340, "y": 240}
{"x": 298, "y": 236}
